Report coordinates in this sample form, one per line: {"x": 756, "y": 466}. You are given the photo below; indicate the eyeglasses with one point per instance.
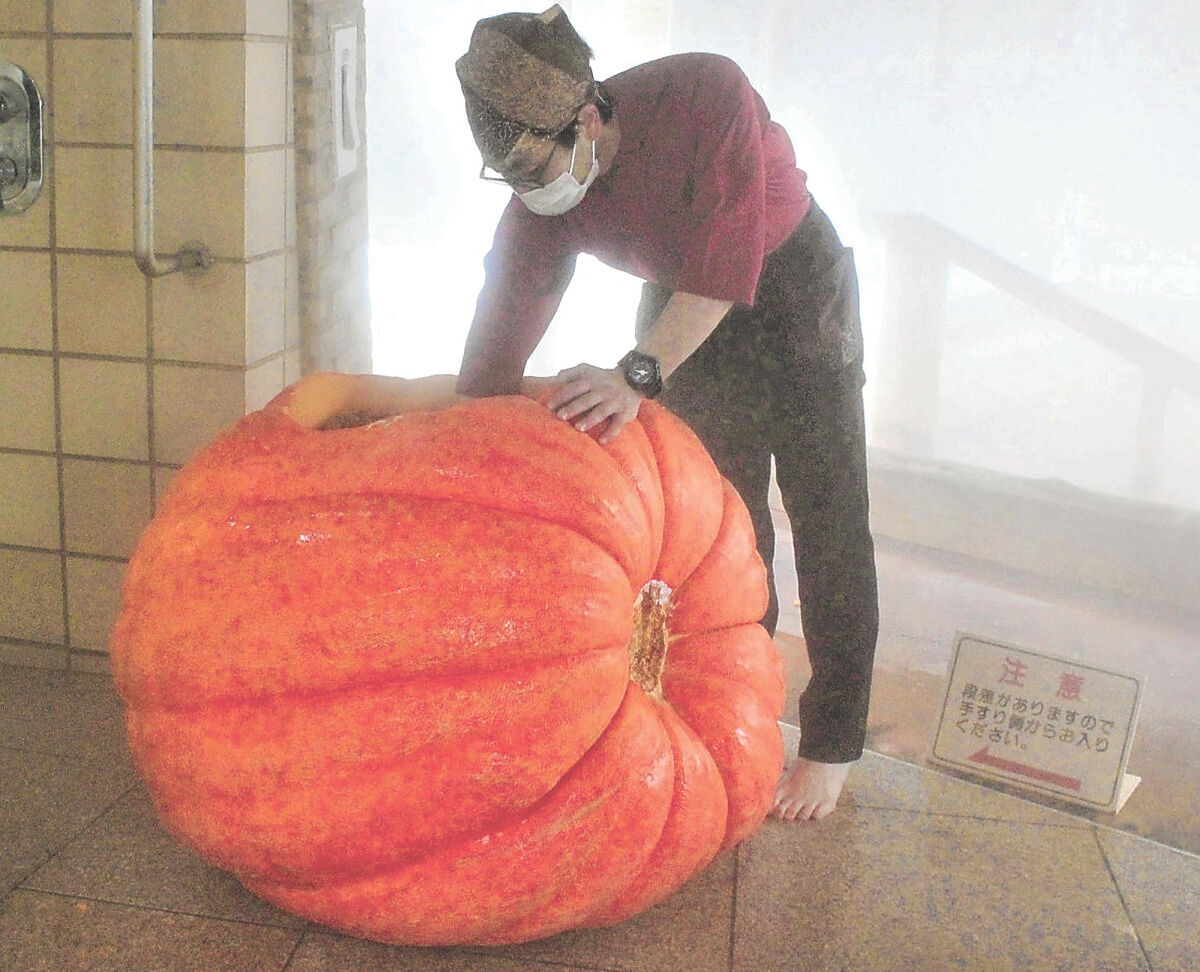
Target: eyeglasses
{"x": 517, "y": 185}
{"x": 529, "y": 181}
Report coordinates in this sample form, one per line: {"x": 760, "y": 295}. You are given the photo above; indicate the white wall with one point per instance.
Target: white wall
{"x": 1061, "y": 134}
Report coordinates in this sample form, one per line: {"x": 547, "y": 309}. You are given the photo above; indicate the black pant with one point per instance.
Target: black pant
{"x": 784, "y": 378}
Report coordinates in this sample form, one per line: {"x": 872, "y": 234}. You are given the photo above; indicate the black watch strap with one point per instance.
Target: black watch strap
{"x": 642, "y": 373}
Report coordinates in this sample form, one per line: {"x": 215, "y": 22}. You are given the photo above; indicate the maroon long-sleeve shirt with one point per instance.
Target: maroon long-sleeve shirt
{"x": 704, "y": 185}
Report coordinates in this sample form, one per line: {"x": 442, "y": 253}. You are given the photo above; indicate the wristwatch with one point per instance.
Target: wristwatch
{"x": 642, "y": 373}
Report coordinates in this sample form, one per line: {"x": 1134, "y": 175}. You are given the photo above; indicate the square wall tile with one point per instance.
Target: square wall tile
{"x": 201, "y": 96}
{"x": 190, "y": 17}
{"x": 94, "y": 16}
{"x": 201, "y": 318}
{"x": 191, "y": 405}
{"x": 266, "y": 175}
{"x": 31, "y": 54}
{"x": 289, "y": 197}
{"x": 293, "y": 367}
{"x": 290, "y": 108}
{"x": 268, "y": 17}
{"x": 200, "y": 197}
{"x": 92, "y": 89}
{"x": 104, "y": 408}
{"x": 101, "y": 305}
{"x": 266, "y": 307}
{"x": 163, "y": 475}
{"x": 106, "y": 505}
{"x": 21, "y": 15}
{"x": 25, "y": 301}
{"x": 266, "y": 93}
{"x": 29, "y": 500}
{"x": 32, "y": 227}
{"x": 263, "y": 382}
{"x": 27, "y": 420}
{"x": 31, "y": 598}
{"x": 93, "y": 600}
{"x": 95, "y": 198}
{"x": 292, "y": 307}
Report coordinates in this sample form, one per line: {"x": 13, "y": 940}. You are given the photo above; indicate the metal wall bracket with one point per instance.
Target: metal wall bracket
{"x": 21, "y": 142}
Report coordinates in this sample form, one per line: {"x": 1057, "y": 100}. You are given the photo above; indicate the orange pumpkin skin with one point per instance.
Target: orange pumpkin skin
{"x": 383, "y": 672}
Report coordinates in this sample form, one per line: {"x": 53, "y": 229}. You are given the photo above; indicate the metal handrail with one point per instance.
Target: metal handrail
{"x": 193, "y": 257}
{"x": 1116, "y": 335}
{"x": 1173, "y": 370}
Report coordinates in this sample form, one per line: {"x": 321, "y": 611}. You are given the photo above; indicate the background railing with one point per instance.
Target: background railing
{"x": 920, "y": 253}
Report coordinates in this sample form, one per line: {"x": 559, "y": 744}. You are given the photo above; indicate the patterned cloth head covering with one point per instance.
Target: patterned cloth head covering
{"x": 524, "y": 78}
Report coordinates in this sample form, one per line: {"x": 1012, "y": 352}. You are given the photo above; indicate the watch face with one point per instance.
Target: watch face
{"x": 641, "y": 372}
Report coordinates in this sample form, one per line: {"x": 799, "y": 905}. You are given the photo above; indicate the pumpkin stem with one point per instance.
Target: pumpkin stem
{"x": 648, "y": 647}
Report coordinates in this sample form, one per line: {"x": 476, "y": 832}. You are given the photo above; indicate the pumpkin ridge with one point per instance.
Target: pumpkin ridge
{"x": 728, "y": 655}
{"x": 492, "y": 826}
{"x": 631, "y": 449}
{"x": 657, "y": 879}
{"x": 693, "y": 676}
{"x": 183, "y": 788}
{"x": 518, "y": 928}
{"x": 553, "y": 438}
{"x": 519, "y": 418}
{"x": 693, "y": 673}
{"x": 213, "y": 546}
{"x": 462, "y": 839}
{"x": 692, "y": 516}
{"x": 230, "y": 701}
{"x": 742, "y": 735}
{"x": 515, "y": 820}
{"x": 223, "y": 511}
{"x": 227, "y": 704}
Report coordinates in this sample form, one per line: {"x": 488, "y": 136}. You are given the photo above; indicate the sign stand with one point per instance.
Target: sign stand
{"x": 1128, "y": 785}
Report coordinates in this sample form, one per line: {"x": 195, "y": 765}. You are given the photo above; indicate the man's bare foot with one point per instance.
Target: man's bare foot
{"x": 809, "y": 790}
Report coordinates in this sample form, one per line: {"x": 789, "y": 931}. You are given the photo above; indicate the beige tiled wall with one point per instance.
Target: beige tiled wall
{"x": 111, "y": 381}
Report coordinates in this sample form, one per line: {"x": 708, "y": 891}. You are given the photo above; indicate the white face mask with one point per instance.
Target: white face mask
{"x": 564, "y": 193}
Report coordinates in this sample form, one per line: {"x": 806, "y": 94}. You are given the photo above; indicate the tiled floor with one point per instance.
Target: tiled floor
{"x": 915, "y": 870}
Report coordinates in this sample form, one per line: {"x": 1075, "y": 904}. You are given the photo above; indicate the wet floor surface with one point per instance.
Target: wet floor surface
{"x": 925, "y": 600}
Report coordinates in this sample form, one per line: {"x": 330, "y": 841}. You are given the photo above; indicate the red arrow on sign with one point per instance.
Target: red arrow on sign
{"x": 1010, "y": 766}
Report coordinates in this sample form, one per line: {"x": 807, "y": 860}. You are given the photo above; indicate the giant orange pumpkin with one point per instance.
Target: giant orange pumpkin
{"x": 440, "y": 671}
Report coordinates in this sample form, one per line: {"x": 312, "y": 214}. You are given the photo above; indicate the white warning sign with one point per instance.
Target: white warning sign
{"x": 1040, "y": 721}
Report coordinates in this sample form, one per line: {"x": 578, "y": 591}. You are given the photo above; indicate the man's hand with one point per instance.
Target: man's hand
{"x": 589, "y": 396}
